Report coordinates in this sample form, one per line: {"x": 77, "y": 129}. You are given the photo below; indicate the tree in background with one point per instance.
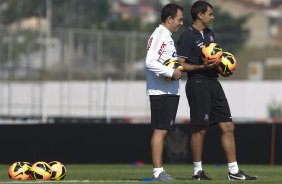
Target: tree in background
{"x": 224, "y": 26}
{"x": 230, "y": 31}
{"x": 80, "y": 14}
{"x": 13, "y": 10}
{"x": 71, "y": 14}
{"x": 95, "y": 14}
{"x": 65, "y": 13}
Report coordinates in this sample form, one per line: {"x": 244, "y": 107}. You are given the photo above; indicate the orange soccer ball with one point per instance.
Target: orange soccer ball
{"x": 19, "y": 171}
{"x": 211, "y": 52}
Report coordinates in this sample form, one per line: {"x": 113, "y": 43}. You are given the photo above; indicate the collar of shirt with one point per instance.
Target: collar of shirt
{"x": 197, "y": 31}
{"x": 165, "y": 29}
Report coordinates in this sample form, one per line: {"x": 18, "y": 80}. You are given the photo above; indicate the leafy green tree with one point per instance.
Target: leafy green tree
{"x": 133, "y": 24}
{"x": 15, "y": 10}
{"x": 65, "y": 13}
{"x": 80, "y": 13}
{"x": 230, "y": 32}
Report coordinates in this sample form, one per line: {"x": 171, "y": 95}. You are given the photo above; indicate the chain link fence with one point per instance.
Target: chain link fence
{"x": 76, "y": 54}
{"x": 72, "y": 55}
{"x": 31, "y": 61}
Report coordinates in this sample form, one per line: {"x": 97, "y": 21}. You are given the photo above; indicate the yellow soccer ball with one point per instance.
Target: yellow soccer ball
{"x": 227, "y": 64}
{"x": 173, "y": 63}
{"x": 40, "y": 171}
{"x": 58, "y": 170}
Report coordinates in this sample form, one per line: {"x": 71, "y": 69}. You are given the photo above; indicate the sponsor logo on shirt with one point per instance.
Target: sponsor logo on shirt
{"x": 149, "y": 43}
{"x": 174, "y": 54}
{"x": 162, "y": 48}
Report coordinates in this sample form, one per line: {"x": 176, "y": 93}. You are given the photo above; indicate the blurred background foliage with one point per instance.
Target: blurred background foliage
{"x": 94, "y": 43}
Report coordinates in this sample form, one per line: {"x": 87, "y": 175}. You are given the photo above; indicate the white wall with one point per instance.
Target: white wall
{"x": 247, "y": 99}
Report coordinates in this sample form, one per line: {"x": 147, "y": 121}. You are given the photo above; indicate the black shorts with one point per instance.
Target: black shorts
{"x": 163, "y": 111}
{"x": 207, "y": 101}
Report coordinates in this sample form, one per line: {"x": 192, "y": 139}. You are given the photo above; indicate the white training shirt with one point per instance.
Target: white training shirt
{"x": 160, "y": 48}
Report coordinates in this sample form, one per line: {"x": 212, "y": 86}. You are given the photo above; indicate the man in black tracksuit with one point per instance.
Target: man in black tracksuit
{"x": 206, "y": 98}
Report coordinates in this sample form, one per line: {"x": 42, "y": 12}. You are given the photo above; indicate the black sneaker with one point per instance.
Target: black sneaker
{"x": 201, "y": 176}
{"x": 240, "y": 176}
{"x": 164, "y": 177}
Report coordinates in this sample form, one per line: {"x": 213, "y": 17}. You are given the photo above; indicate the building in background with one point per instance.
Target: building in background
{"x": 264, "y": 19}
{"x": 126, "y": 9}
{"x": 264, "y": 3}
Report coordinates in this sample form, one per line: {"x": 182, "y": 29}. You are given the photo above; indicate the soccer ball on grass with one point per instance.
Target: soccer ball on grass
{"x": 40, "y": 171}
{"x": 58, "y": 170}
{"x": 19, "y": 171}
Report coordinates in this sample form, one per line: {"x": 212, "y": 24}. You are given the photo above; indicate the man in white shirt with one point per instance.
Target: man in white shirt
{"x": 163, "y": 84}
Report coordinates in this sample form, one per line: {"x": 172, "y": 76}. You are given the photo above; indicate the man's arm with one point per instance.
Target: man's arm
{"x": 190, "y": 67}
{"x": 155, "y": 66}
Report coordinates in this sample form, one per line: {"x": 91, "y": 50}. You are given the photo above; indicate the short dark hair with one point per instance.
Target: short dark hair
{"x": 199, "y": 7}
{"x": 170, "y": 10}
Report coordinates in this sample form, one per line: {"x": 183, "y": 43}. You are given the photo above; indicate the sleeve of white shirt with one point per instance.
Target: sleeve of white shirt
{"x": 153, "y": 64}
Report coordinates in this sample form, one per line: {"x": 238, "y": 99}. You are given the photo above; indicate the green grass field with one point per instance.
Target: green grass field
{"x": 125, "y": 173}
